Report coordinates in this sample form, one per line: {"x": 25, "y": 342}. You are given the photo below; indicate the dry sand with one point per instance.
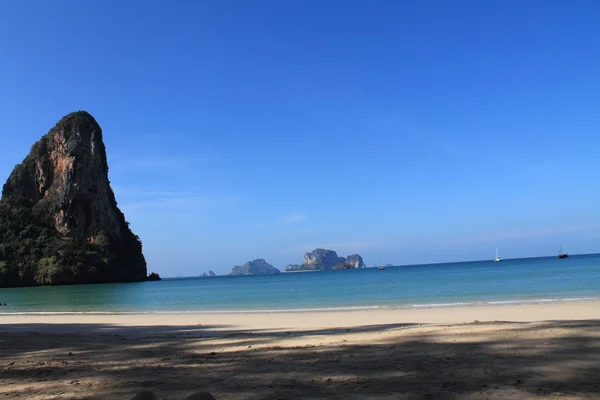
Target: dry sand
{"x": 508, "y": 352}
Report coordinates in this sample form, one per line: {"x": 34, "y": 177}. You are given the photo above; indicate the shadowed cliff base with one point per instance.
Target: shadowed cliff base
{"x": 397, "y": 361}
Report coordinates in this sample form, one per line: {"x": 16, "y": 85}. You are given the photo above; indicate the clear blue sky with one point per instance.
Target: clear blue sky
{"x": 406, "y": 131}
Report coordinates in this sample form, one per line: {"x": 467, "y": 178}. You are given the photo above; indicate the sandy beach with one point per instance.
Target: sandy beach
{"x": 488, "y": 352}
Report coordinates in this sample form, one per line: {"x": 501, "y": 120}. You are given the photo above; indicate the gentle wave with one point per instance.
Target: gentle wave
{"x": 322, "y": 309}
{"x": 261, "y": 311}
{"x": 503, "y": 302}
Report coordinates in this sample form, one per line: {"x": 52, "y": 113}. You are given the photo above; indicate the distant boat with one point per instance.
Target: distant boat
{"x": 561, "y": 254}
{"x": 381, "y": 268}
{"x": 497, "y": 259}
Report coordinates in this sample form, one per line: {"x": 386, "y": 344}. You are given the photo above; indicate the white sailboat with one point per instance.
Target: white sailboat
{"x": 380, "y": 267}
{"x": 497, "y": 259}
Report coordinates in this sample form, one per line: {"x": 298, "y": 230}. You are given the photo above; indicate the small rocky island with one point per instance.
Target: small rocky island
{"x": 209, "y": 275}
{"x": 256, "y": 267}
{"x": 59, "y": 220}
{"x": 154, "y": 277}
{"x": 321, "y": 259}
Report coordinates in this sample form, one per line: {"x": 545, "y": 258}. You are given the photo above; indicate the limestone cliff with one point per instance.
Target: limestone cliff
{"x": 60, "y": 194}
{"x": 355, "y": 261}
{"x": 294, "y": 268}
{"x": 256, "y": 267}
{"x": 322, "y": 259}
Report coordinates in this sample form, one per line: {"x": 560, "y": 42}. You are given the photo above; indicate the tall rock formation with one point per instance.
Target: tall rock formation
{"x": 61, "y": 195}
{"x": 321, "y": 259}
{"x": 355, "y": 261}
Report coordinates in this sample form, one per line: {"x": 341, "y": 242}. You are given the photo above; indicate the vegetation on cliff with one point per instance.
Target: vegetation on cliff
{"x": 59, "y": 221}
{"x": 33, "y": 253}
{"x": 343, "y": 265}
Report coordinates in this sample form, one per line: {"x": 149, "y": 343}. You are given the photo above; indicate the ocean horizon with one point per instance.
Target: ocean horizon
{"x": 451, "y": 284}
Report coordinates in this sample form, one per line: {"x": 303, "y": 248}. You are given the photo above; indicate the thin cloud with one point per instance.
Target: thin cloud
{"x": 122, "y": 163}
{"x": 284, "y": 221}
{"x": 292, "y": 219}
{"x": 160, "y": 202}
{"x": 139, "y": 192}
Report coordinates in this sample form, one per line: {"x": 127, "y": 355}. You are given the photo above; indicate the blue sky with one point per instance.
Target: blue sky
{"x": 406, "y": 131}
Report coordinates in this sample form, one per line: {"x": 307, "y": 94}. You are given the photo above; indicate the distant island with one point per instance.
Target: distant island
{"x": 209, "y": 275}
{"x": 256, "y": 267}
{"x": 154, "y": 277}
{"x": 322, "y": 259}
{"x": 59, "y": 220}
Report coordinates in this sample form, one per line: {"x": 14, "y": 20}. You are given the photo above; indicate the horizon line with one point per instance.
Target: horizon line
{"x": 393, "y": 266}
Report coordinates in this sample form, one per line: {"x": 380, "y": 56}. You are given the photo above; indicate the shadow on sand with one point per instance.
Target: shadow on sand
{"x": 552, "y": 359}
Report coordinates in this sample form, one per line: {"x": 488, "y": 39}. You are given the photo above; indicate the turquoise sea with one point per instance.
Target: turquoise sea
{"x": 432, "y": 285}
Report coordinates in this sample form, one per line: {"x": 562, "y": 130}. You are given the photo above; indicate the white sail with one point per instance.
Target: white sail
{"x": 497, "y": 259}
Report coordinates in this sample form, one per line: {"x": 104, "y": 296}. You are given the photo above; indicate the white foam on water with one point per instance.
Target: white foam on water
{"x": 504, "y": 302}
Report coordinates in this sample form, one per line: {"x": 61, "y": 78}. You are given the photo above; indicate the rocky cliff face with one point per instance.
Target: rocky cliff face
{"x": 321, "y": 259}
{"x": 294, "y": 267}
{"x": 355, "y": 261}
{"x": 63, "y": 183}
{"x": 67, "y": 169}
{"x": 256, "y": 267}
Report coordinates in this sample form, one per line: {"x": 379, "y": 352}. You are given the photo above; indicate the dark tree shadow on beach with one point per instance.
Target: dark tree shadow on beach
{"x": 540, "y": 360}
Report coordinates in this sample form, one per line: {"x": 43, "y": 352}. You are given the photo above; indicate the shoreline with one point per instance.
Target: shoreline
{"x": 293, "y": 320}
{"x": 425, "y": 306}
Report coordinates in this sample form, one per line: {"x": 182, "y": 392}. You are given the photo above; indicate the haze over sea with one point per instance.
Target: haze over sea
{"x": 429, "y": 285}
